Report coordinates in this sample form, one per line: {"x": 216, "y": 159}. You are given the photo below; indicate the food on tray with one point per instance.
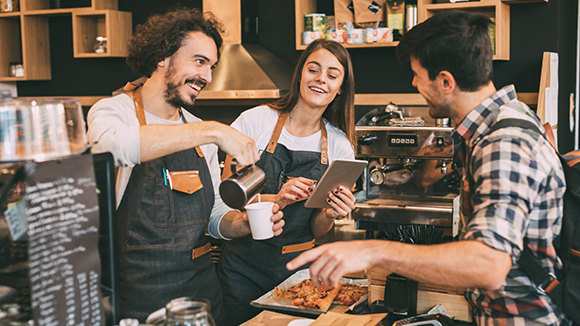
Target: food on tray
{"x": 306, "y": 295}
{"x": 312, "y": 297}
{"x": 290, "y": 293}
{"x": 349, "y": 294}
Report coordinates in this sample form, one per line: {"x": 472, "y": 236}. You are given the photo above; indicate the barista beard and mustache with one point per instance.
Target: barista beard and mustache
{"x": 172, "y": 96}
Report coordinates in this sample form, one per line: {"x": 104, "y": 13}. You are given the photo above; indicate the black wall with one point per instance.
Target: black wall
{"x": 535, "y": 28}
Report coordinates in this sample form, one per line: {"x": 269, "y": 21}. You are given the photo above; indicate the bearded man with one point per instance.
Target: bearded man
{"x": 168, "y": 165}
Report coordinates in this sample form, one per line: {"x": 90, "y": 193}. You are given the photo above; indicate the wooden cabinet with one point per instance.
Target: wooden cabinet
{"x": 24, "y": 35}
{"x": 498, "y": 10}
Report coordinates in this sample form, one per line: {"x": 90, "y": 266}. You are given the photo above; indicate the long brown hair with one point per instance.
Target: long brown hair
{"x": 340, "y": 112}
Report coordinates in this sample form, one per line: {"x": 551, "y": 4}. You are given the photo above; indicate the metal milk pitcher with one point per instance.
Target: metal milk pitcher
{"x": 240, "y": 187}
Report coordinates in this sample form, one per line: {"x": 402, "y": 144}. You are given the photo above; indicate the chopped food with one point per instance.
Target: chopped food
{"x": 349, "y": 294}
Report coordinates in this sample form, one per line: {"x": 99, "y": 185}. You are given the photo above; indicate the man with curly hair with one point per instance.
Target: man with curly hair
{"x": 168, "y": 165}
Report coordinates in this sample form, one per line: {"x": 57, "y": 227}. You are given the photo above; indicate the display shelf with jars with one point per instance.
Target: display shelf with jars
{"x": 304, "y": 7}
{"x": 498, "y": 10}
{"x": 25, "y": 39}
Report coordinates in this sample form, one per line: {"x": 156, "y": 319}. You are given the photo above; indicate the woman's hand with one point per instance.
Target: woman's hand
{"x": 293, "y": 190}
{"x": 342, "y": 201}
{"x": 276, "y": 218}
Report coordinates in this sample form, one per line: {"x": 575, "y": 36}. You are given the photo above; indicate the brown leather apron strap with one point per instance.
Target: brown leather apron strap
{"x": 323, "y": 144}
{"x": 277, "y": 131}
{"x": 140, "y": 109}
{"x": 297, "y": 247}
{"x": 200, "y": 251}
{"x": 199, "y": 151}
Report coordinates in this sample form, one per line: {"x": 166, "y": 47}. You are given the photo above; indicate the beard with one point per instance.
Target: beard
{"x": 439, "y": 111}
{"x": 172, "y": 95}
{"x": 439, "y": 108}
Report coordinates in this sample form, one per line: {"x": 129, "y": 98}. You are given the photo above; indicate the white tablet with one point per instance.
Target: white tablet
{"x": 339, "y": 173}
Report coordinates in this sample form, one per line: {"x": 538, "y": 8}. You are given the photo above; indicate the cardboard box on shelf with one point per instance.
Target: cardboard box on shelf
{"x": 379, "y": 35}
{"x": 355, "y": 36}
{"x": 339, "y": 36}
{"x": 314, "y": 23}
{"x": 311, "y": 36}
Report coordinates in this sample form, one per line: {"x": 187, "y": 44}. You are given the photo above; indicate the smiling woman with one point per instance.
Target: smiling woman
{"x": 299, "y": 136}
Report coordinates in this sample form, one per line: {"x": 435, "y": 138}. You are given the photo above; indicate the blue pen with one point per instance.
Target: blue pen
{"x": 164, "y": 177}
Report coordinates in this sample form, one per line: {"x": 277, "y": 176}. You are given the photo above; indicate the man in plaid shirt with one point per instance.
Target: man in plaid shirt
{"x": 512, "y": 189}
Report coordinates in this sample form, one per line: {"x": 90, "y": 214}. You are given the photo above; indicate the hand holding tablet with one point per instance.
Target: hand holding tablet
{"x": 340, "y": 173}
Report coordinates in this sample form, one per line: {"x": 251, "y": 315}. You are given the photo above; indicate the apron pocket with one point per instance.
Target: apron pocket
{"x": 168, "y": 203}
{"x": 186, "y": 181}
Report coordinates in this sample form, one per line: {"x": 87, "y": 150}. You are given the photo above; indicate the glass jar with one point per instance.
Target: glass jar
{"x": 9, "y": 5}
{"x": 101, "y": 44}
{"x": 16, "y": 68}
{"x": 187, "y": 312}
{"x": 129, "y": 322}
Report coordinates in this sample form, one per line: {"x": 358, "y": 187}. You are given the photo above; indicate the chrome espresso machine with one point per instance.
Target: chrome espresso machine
{"x": 410, "y": 178}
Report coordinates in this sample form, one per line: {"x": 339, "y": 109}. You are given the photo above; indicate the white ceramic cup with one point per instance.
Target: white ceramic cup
{"x": 259, "y": 215}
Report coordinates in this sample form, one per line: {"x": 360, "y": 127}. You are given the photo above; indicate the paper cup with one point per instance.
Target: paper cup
{"x": 259, "y": 215}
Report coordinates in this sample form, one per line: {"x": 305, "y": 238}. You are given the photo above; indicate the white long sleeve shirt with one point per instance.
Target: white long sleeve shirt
{"x": 114, "y": 128}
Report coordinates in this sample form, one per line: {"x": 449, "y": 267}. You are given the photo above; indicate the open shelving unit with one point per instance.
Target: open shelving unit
{"x": 24, "y": 35}
{"x": 88, "y": 25}
{"x": 498, "y": 10}
{"x": 304, "y": 7}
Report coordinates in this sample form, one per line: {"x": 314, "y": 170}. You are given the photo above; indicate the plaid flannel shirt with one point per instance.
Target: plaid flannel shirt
{"x": 512, "y": 196}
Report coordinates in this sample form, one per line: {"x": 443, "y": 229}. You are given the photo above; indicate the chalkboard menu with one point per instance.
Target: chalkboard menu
{"x": 63, "y": 222}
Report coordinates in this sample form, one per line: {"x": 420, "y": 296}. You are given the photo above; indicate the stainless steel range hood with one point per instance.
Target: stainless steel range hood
{"x": 244, "y": 71}
{"x": 248, "y": 71}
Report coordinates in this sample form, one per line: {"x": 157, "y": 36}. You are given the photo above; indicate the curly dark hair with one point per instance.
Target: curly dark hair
{"x": 162, "y": 35}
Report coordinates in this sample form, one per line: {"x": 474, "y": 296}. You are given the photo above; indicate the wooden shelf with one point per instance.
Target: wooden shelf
{"x": 359, "y": 99}
{"x": 24, "y": 35}
{"x": 9, "y": 14}
{"x": 31, "y": 5}
{"x": 35, "y": 48}
{"x": 523, "y": 1}
{"x": 11, "y": 49}
{"x": 358, "y": 45}
{"x": 88, "y": 25}
{"x": 304, "y": 7}
{"x": 495, "y": 9}
{"x": 498, "y": 10}
{"x": 417, "y": 99}
{"x": 51, "y": 12}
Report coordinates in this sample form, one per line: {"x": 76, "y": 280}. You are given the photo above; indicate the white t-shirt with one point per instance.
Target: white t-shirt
{"x": 259, "y": 123}
{"x": 114, "y": 128}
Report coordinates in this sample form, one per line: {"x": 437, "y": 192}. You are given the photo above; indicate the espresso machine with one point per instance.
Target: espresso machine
{"x": 410, "y": 178}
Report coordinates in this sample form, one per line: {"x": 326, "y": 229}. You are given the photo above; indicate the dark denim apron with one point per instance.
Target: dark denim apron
{"x": 250, "y": 268}
{"x": 163, "y": 246}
